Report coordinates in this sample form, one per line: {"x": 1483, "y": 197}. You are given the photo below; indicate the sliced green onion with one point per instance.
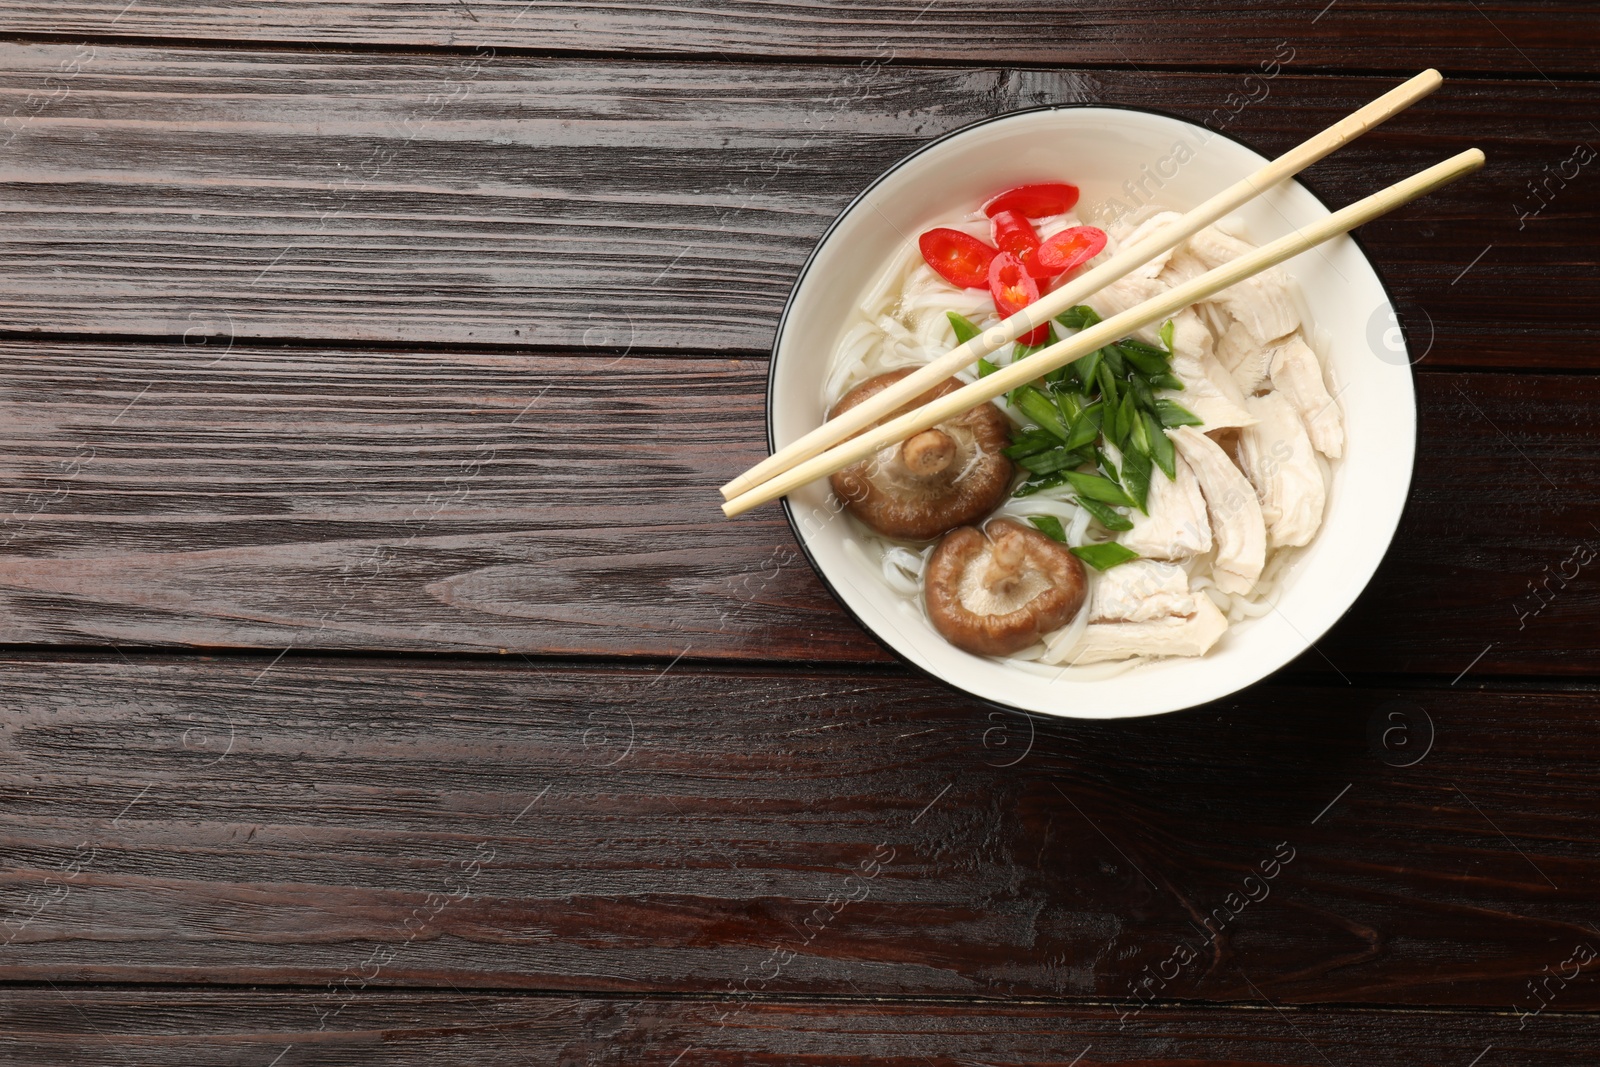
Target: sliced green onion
{"x": 964, "y": 327}
{"x": 1038, "y": 483}
{"x": 1172, "y": 414}
{"x": 1038, "y": 407}
{"x": 1108, "y": 384}
{"x": 1138, "y": 436}
{"x": 1104, "y": 556}
{"x": 1113, "y": 357}
{"x": 1068, "y": 405}
{"x": 1058, "y": 459}
{"x": 1087, "y": 369}
{"x": 1142, "y": 396}
{"x": 1111, "y": 425}
{"x": 1160, "y": 445}
{"x": 1087, "y": 426}
{"x": 1097, "y": 488}
{"x": 1145, "y": 359}
{"x": 1136, "y": 478}
{"x": 1078, "y": 318}
{"x": 1050, "y": 526}
{"x": 1167, "y": 381}
{"x": 985, "y": 368}
{"x": 1110, "y": 518}
{"x": 1127, "y": 416}
{"x": 1028, "y": 443}
{"x": 1106, "y": 465}
{"x": 1167, "y": 330}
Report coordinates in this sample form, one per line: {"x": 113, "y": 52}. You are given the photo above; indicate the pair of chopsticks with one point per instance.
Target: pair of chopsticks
{"x": 819, "y": 453}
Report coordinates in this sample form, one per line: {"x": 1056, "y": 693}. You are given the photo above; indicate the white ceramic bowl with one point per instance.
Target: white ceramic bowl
{"x": 1099, "y": 149}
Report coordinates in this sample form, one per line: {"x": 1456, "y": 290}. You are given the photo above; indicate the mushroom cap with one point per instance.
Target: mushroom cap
{"x": 946, "y": 476}
{"x": 996, "y": 591}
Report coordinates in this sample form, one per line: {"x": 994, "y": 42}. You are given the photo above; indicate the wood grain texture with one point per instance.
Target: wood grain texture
{"x": 507, "y": 200}
{"x": 90, "y": 1027}
{"x": 735, "y": 832}
{"x": 1524, "y": 38}
{"x": 566, "y": 504}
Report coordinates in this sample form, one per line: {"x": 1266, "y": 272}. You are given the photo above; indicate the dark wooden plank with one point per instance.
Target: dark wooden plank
{"x": 464, "y": 200}
{"x": 836, "y": 832}
{"x": 565, "y": 504}
{"x": 115, "y": 1027}
{"x": 1534, "y": 39}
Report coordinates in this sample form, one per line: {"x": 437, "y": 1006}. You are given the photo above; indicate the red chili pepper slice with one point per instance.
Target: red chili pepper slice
{"x": 1069, "y": 248}
{"x": 1015, "y": 234}
{"x": 959, "y": 258}
{"x": 1035, "y": 201}
{"x": 1013, "y": 289}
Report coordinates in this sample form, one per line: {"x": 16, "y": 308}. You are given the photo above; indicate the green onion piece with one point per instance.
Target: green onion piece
{"x": 964, "y": 327}
{"x": 1050, "y": 526}
{"x": 1108, "y": 384}
{"x": 1087, "y": 369}
{"x": 1113, "y": 357}
{"x": 1078, "y": 318}
{"x": 1111, "y": 424}
{"x": 1038, "y": 483}
{"x": 1142, "y": 396}
{"x": 1145, "y": 359}
{"x": 1167, "y": 330}
{"x": 1069, "y": 405}
{"x": 1110, "y": 518}
{"x": 1167, "y": 381}
{"x": 1058, "y": 459}
{"x": 985, "y": 368}
{"x": 1104, "y": 556}
{"x": 1172, "y": 414}
{"x": 1136, "y": 479}
{"x": 1127, "y": 416}
{"x": 1028, "y": 443}
{"x": 1106, "y": 465}
{"x": 1097, "y": 488}
{"x": 1160, "y": 445}
{"x": 1087, "y": 426}
{"x": 1040, "y": 409}
{"x": 1138, "y": 436}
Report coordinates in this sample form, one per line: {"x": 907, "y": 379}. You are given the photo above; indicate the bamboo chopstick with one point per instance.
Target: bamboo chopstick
{"x": 1108, "y": 331}
{"x": 1124, "y": 262}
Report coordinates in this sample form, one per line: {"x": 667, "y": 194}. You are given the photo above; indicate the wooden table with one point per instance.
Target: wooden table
{"x": 382, "y": 685}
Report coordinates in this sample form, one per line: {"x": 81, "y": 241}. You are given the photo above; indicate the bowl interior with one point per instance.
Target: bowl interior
{"x": 1119, "y": 159}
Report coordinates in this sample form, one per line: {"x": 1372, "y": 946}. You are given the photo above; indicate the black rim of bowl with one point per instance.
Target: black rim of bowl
{"x": 805, "y": 268}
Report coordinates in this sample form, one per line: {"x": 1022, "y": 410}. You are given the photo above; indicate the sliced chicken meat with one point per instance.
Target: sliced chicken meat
{"x": 1190, "y": 335}
{"x": 1277, "y": 457}
{"x": 1140, "y": 590}
{"x": 1247, "y": 359}
{"x": 1125, "y": 293}
{"x": 1172, "y": 635}
{"x": 1236, "y": 522}
{"x": 1128, "y": 235}
{"x": 1208, "y": 389}
{"x": 1263, "y": 304}
{"x": 1177, "y": 526}
{"x": 1183, "y": 266}
{"x": 1298, "y": 376}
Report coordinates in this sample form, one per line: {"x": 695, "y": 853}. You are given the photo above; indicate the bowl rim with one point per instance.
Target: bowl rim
{"x": 805, "y": 268}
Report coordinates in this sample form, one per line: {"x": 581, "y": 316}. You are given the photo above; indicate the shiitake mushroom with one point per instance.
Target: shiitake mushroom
{"x": 947, "y": 476}
{"x": 995, "y": 591}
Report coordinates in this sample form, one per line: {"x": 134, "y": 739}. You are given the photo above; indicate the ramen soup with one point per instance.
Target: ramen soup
{"x": 1135, "y": 504}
